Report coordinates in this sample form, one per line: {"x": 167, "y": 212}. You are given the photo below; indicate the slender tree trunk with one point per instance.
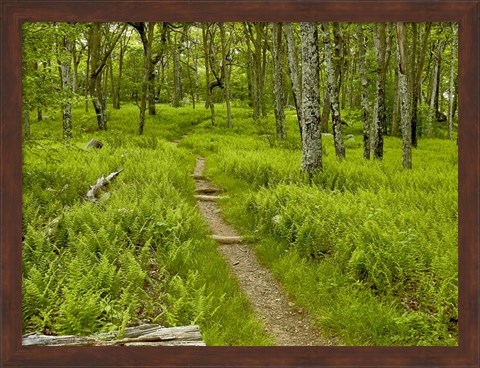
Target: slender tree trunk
{"x": 432, "y": 111}
{"x": 451, "y": 90}
{"x": 98, "y": 60}
{"x": 112, "y": 82}
{"x": 333, "y": 92}
{"x": 147, "y": 71}
{"x": 403, "y": 76}
{"x": 75, "y": 61}
{"x": 65, "y": 70}
{"x": 261, "y": 32}
{"x": 190, "y": 81}
{"x": 312, "y": 137}
{"x": 177, "y": 77}
{"x": 378, "y": 123}
{"x": 226, "y": 73}
{"x": 206, "y": 49}
{"x": 278, "y": 80}
{"x": 417, "y": 81}
{"x": 195, "y": 65}
{"x": 294, "y": 73}
{"x": 325, "y": 111}
{"x": 87, "y": 77}
{"x": 26, "y": 120}
{"x": 39, "y": 109}
{"x": 253, "y": 33}
{"x": 151, "y": 81}
{"x": 118, "y": 85}
{"x": 364, "y": 93}
{"x": 396, "y": 106}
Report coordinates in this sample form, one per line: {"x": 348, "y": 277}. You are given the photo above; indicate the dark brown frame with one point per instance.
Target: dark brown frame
{"x": 14, "y": 12}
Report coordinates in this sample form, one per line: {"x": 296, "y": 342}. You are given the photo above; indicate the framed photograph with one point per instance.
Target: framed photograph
{"x": 210, "y": 59}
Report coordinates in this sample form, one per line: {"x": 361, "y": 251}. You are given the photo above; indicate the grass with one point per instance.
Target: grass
{"x": 141, "y": 253}
{"x": 370, "y": 250}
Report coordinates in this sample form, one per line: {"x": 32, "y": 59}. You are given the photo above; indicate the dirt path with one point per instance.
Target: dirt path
{"x": 287, "y": 323}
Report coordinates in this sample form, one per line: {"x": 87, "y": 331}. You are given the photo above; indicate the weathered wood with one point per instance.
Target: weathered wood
{"x": 207, "y": 190}
{"x": 102, "y": 182}
{"x": 94, "y": 144}
{"x": 208, "y": 198}
{"x": 43, "y": 340}
{"x": 227, "y": 239}
{"x": 144, "y": 335}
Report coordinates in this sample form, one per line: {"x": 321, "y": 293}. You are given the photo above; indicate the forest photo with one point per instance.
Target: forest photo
{"x": 240, "y": 184}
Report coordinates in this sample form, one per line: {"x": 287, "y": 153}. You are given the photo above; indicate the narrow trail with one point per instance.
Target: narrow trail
{"x": 285, "y": 321}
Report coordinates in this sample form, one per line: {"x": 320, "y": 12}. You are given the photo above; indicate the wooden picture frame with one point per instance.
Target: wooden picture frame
{"x": 14, "y": 12}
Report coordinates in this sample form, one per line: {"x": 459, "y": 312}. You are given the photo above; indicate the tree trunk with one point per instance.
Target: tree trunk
{"x": 333, "y": 91}
{"x": 451, "y": 90}
{"x": 432, "y": 111}
{"x": 226, "y": 73}
{"x": 118, "y": 85}
{"x": 206, "y": 49}
{"x": 75, "y": 61}
{"x": 87, "y": 78}
{"x": 403, "y": 76}
{"x": 112, "y": 82}
{"x": 65, "y": 70}
{"x": 26, "y": 120}
{"x": 417, "y": 81}
{"x": 197, "y": 83}
{"x": 278, "y": 80}
{"x": 396, "y": 105}
{"x": 147, "y": 71}
{"x": 98, "y": 60}
{"x": 364, "y": 93}
{"x": 253, "y": 33}
{"x": 378, "y": 123}
{"x": 325, "y": 111}
{"x": 294, "y": 73}
{"x": 177, "y": 76}
{"x": 312, "y": 137}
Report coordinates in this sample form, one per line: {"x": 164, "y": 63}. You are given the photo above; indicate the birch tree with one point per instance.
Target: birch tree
{"x": 417, "y": 68}
{"x": 378, "y": 122}
{"x": 405, "y": 96}
{"x": 294, "y": 73}
{"x": 333, "y": 91}
{"x": 435, "y": 82}
{"x": 206, "y": 50}
{"x": 364, "y": 93}
{"x": 311, "y": 137}
{"x": 226, "y": 68}
{"x": 451, "y": 89}
{"x": 278, "y": 80}
{"x": 65, "y": 66}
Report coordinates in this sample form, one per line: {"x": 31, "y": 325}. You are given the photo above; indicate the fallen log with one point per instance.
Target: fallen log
{"x": 94, "y": 144}
{"x": 144, "y": 335}
{"x": 207, "y": 190}
{"x": 208, "y": 198}
{"x": 227, "y": 239}
{"x": 95, "y": 190}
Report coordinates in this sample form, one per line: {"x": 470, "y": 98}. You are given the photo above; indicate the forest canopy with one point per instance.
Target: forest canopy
{"x": 387, "y": 79}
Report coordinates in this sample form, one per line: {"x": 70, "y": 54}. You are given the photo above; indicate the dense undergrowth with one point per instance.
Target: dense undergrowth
{"x": 369, "y": 249}
{"x": 141, "y": 253}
